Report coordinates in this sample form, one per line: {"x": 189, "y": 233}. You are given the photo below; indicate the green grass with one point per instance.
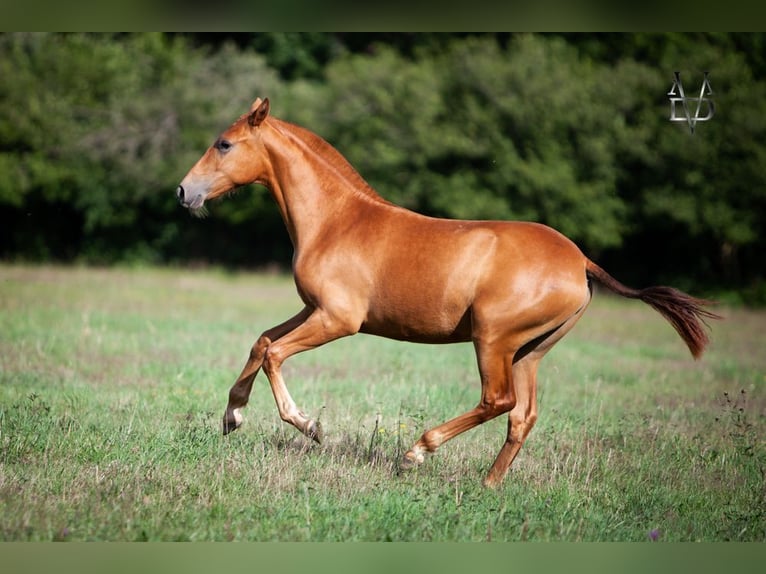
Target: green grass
{"x": 113, "y": 383}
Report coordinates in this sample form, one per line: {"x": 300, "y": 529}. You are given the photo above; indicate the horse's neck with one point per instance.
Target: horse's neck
{"x": 312, "y": 182}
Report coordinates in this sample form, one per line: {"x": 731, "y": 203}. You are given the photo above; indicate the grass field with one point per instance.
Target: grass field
{"x": 113, "y": 383}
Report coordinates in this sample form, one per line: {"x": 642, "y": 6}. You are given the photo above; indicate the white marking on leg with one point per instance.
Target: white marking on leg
{"x": 414, "y": 457}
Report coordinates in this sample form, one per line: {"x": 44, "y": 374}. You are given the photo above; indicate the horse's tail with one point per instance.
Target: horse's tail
{"x": 686, "y": 313}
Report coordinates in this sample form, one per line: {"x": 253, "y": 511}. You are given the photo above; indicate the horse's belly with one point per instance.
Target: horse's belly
{"x": 425, "y": 323}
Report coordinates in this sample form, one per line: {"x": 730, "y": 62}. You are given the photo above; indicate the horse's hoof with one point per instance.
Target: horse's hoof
{"x": 411, "y": 459}
{"x": 491, "y": 482}
{"x": 314, "y": 431}
{"x": 232, "y": 420}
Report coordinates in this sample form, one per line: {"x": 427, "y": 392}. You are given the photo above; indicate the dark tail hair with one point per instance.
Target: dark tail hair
{"x": 686, "y": 313}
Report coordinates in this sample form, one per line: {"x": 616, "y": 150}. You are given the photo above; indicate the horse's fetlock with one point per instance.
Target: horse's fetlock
{"x": 431, "y": 440}
{"x": 314, "y": 431}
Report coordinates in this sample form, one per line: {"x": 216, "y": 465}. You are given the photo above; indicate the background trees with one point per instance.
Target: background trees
{"x": 571, "y": 130}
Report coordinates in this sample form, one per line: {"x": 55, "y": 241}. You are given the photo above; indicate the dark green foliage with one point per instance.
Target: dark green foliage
{"x": 568, "y": 129}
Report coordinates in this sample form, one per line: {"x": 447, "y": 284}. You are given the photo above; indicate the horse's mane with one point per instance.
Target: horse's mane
{"x": 329, "y": 155}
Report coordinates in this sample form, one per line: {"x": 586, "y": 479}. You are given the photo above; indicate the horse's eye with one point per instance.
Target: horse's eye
{"x": 223, "y": 145}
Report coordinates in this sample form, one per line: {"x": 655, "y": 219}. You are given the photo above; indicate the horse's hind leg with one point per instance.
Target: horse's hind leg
{"x": 521, "y": 419}
{"x": 523, "y": 416}
{"x": 497, "y": 397}
{"x": 239, "y": 393}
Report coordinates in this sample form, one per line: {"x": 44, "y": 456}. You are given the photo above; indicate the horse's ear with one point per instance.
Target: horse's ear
{"x": 258, "y": 112}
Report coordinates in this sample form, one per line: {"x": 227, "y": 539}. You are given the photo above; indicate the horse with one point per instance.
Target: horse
{"x": 364, "y": 265}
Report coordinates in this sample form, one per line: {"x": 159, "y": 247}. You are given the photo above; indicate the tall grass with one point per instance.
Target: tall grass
{"x": 113, "y": 383}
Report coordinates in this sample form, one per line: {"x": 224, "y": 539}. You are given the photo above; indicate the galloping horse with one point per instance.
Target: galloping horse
{"x": 364, "y": 265}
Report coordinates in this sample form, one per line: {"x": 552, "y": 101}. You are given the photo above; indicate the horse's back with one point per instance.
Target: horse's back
{"x": 501, "y": 250}
{"x": 433, "y": 275}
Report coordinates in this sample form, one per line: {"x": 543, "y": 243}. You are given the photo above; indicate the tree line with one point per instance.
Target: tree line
{"x": 571, "y": 130}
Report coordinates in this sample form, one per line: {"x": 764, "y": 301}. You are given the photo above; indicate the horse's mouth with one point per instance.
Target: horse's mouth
{"x": 196, "y": 203}
{"x": 198, "y": 209}
{"x": 196, "y": 206}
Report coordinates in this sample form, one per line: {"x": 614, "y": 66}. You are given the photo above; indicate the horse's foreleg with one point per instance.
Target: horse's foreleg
{"x": 319, "y": 328}
{"x": 239, "y": 393}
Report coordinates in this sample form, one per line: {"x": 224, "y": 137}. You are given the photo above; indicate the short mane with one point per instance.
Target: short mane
{"x": 329, "y": 154}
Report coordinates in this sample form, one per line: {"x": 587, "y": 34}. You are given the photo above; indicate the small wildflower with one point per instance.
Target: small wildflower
{"x": 654, "y": 535}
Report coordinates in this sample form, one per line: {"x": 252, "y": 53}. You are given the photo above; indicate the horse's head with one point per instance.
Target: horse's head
{"x": 232, "y": 161}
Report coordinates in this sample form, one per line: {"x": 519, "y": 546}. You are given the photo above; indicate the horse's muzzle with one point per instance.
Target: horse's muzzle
{"x": 189, "y": 200}
{"x": 180, "y": 193}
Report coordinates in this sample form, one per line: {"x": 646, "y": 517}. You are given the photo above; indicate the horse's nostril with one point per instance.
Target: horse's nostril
{"x": 180, "y": 193}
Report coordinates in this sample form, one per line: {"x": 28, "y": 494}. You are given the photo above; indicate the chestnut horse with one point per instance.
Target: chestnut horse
{"x": 364, "y": 265}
